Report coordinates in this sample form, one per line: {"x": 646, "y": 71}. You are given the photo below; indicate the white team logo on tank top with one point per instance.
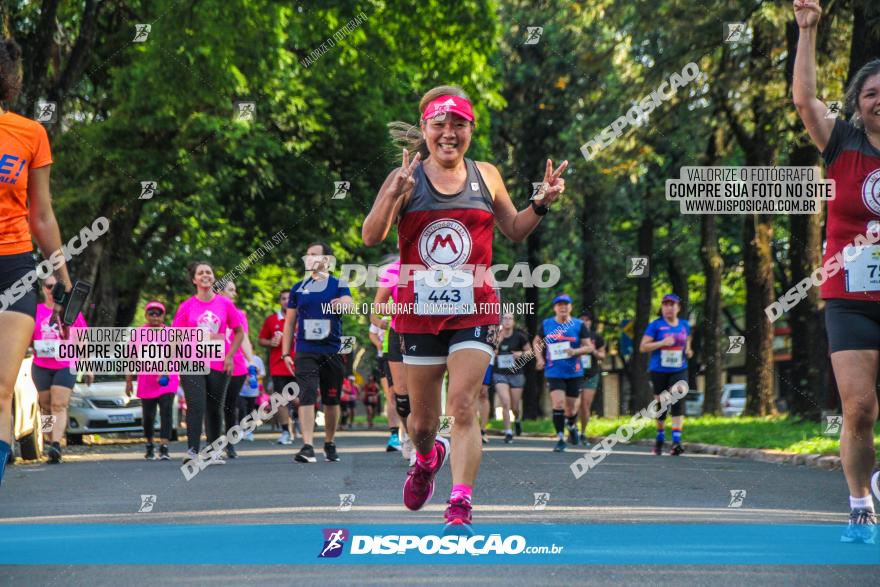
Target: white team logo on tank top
{"x": 871, "y": 192}
{"x": 445, "y": 242}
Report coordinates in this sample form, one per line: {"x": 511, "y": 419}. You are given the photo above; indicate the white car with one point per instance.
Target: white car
{"x": 103, "y": 407}
{"x": 733, "y": 399}
{"x": 27, "y": 425}
{"x": 693, "y": 403}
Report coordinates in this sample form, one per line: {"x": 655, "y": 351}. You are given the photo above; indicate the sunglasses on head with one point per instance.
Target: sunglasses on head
{"x": 154, "y": 312}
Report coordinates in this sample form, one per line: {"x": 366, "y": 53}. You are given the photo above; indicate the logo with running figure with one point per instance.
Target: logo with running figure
{"x": 871, "y": 192}
{"x": 334, "y": 541}
{"x": 445, "y": 242}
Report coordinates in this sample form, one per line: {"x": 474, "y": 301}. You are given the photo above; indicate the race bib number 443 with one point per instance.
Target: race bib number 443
{"x": 443, "y": 292}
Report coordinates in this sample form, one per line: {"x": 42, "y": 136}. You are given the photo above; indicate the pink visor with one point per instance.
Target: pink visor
{"x": 155, "y": 304}
{"x": 453, "y": 104}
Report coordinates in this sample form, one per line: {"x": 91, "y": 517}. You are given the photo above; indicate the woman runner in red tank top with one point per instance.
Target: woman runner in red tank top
{"x": 446, "y": 207}
{"x": 851, "y": 150}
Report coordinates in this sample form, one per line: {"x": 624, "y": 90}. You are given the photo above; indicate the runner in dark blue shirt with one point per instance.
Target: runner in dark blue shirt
{"x": 316, "y": 306}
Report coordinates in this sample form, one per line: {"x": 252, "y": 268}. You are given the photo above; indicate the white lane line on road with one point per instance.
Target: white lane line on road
{"x": 669, "y": 515}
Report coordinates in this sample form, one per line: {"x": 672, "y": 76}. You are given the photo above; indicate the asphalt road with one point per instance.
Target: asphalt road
{"x": 104, "y": 484}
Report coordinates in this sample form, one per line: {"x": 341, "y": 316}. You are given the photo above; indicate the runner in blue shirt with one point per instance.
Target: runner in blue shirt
{"x": 316, "y": 306}
{"x": 560, "y": 342}
{"x": 668, "y": 339}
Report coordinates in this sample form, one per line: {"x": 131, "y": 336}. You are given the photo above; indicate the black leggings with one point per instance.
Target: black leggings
{"x": 204, "y": 401}
{"x": 247, "y": 405}
{"x": 230, "y": 406}
{"x": 165, "y": 402}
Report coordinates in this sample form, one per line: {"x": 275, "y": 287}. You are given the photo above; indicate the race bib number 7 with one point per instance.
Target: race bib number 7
{"x": 862, "y": 268}
{"x": 443, "y": 292}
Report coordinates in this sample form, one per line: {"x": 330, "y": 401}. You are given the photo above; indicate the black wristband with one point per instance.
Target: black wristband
{"x": 540, "y": 210}
{"x": 59, "y": 295}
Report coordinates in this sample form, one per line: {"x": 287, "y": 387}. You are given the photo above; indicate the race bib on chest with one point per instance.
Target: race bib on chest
{"x": 557, "y": 350}
{"x": 862, "y": 268}
{"x": 505, "y": 361}
{"x": 671, "y": 358}
{"x": 45, "y": 349}
{"x": 316, "y": 329}
{"x": 443, "y": 292}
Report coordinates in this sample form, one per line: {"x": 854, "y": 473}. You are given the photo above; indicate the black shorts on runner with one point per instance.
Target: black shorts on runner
{"x": 382, "y": 367}
{"x": 279, "y": 382}
{"x": 394, "y": 353}
{"x": 12, "y": 269}
{"x": 433, "y": 349}
{"x": 852, "y": 325}
{"x": 319, "y": 371}
{"x": 44, "y": 378}
{"x": 661, "y": 381}
{"x": 571, "y": 387}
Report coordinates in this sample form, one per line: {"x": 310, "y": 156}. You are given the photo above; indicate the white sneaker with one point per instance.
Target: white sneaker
{"x": 406, "y": 445}
{"x": 249, "y": 436}
{"x": 284, "y": 438}
{"x": 217, "y": 459}
{"x": 191, "y": 455}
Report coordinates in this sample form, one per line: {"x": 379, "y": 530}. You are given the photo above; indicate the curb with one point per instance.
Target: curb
{"x": 817, "y": 461}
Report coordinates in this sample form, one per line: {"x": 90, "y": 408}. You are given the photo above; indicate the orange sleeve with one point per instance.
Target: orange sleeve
{"x": 42, "y": 153}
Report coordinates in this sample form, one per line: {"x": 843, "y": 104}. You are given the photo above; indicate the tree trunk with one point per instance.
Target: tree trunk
{"x": 760, "y": 391}
{"x": 589, "y": 258}
{"x": 865, "y": 44}
{"x": 710, "y": 325}
{"x": 641, "y": 394}
{"x": 809, "y": 359}
{"x": 712, "y": 357}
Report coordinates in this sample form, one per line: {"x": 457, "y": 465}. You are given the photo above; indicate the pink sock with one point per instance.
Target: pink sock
{"x": 461, "y": 491}
{"x": 429, "y": 459}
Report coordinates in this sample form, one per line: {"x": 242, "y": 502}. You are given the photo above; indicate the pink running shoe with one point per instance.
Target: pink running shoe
{"x": 458, "y": 518}
{"x": 419, "y": 485}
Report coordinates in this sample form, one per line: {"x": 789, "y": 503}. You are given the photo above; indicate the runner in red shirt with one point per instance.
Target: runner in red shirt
{"x": 446, "y": 207}
{"x": 852, "y": 313}
{"x": 270, "y": 338}
{"x": 371, "y": 400}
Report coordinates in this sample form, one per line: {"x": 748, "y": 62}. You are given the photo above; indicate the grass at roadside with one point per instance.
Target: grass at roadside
{"x": 779, "y": 433}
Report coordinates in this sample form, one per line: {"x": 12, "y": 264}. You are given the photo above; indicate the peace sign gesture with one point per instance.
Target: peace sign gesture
{"x": 553, "y": 185}
{"x": 404, "y": 181}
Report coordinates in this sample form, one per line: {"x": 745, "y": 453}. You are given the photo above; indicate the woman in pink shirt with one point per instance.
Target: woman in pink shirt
{"x": 205, "y": 394}
{"x": 241, "y": 367}
{"x": 51, "y": 377}
{"x": 155, "y": 391}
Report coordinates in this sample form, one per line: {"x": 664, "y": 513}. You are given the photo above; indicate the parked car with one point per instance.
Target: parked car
{"x": 733, "y": 399}
{"x": 103, "y": 407}
{"x": 26, "y": 421}
{"x": 693, "y": 403}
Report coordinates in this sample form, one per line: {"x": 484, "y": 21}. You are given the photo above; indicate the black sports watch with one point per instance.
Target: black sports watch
{"x": 540, "y": 210}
